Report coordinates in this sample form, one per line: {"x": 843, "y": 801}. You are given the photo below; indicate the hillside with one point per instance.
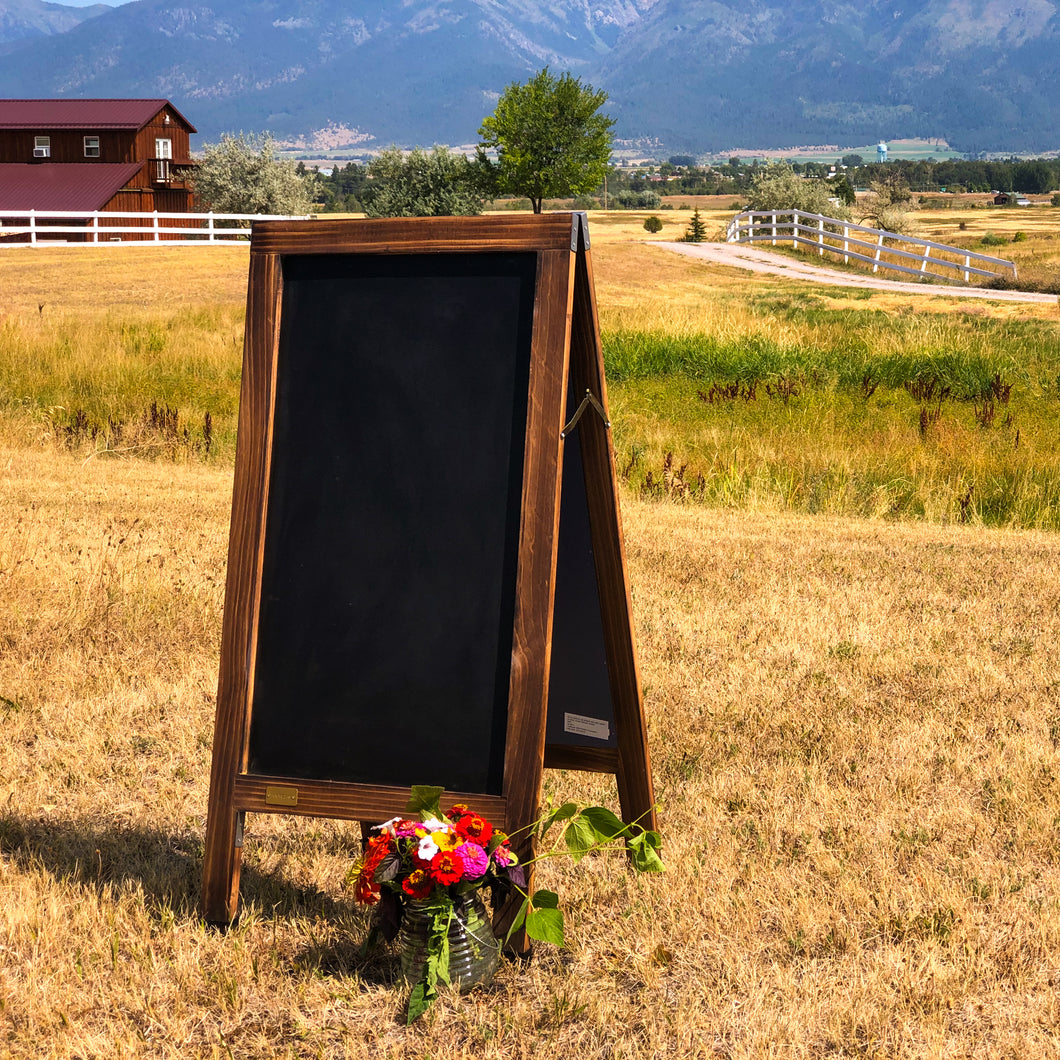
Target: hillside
{"x": 694, "y": 74}
{"x": 22, "y": 20}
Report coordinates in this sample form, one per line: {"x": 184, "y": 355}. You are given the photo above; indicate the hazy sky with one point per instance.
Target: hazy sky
{"x": 87, "y": 3}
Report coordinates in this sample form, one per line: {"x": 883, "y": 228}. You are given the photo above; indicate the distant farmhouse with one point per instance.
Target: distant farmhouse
{"x": 95, "y": 155}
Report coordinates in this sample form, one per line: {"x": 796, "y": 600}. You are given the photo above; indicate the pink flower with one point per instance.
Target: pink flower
{"x": 476, "y": 861}
{"x": 503, "y": 857}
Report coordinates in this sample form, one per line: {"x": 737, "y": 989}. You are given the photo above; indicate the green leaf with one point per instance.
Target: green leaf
{"x": 545, "y": 900}
{"x": 419, "y": 1002}
{"x": 606, "y": 825}
{"x": 644, "y": 852}
{"x": 425, "y": 801}
{"x": 520, "y": 919}
{"x": 564, "y": 813}
{"x": 546, "y": 925}
{"x": 580, "y": 837}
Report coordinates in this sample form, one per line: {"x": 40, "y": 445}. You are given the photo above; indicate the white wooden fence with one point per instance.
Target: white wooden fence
{"x": 859, "y": 243}
{"x": 174, "y": 229}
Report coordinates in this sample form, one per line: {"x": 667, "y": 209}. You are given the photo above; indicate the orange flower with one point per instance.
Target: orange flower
{"x": 365, "y": 889}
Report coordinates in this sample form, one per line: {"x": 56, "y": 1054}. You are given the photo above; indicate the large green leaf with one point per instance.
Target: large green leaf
{"x": 606, "y": 825}
{"x": 424, "y": 801}
{"x": 644, "y": 852}
{"x": 580, "y": 837}
{"x": 546, "y": 925}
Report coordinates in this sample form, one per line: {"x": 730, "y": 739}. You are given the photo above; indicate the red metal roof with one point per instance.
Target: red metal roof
{"x": 62, "y": 186}
{"x": 82, "y": 113}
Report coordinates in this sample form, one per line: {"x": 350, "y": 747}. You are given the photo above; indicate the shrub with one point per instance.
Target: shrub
{"x": 1019, "y": 237}
{"x": 638, "y": 200}
{"x": 992, "y": 240}
{"x": 653, "y": 224}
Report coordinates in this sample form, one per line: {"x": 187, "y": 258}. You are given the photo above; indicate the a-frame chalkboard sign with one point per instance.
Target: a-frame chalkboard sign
{"x": 426, "y": 577}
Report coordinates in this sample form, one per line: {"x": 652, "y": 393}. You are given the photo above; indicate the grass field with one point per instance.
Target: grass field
{"x": 854, "y": 722}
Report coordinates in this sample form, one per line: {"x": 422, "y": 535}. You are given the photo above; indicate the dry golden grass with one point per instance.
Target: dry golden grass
{"x": 854, "y": 726}
{"x": 854, "y": 729}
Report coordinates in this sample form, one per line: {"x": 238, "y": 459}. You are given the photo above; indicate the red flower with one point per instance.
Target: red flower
{"x": 447, "y": 866}
{"x": 457, "y": 811}
{"x": 475, "y": 828}
{"x": 418, "y": 884}
{"x": 365, "y": 889}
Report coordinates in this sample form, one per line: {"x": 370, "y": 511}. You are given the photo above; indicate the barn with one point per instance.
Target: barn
{"x": 108, "y": 155}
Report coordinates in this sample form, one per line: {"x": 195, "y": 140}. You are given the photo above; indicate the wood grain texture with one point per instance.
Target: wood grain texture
{"x": 538, "y": 540}
{"x": 590, "y": 759}
{"x": 221, "y": 862}
{"x": 635, "y": 789}
{"x": 349, "y": 802}
{"x": 402, "y": 235}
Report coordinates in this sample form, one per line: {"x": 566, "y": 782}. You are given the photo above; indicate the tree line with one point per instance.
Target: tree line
{"x": 548, "y": 138}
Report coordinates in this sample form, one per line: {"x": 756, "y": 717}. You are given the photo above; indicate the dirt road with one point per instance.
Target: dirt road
{"x": 741, "y": 256}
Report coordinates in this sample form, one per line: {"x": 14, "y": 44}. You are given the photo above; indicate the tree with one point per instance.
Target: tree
{"x": 779, "y": 188}
{"x": 888, "y": 204}
{"x": 421, "y": 184}
{"x": 653, "y": 224}
{"x": 852, "y": 161}
{"x": 697, "y": 230}
{"x": 242, "y": 174}
{"x": 549, "y": 139}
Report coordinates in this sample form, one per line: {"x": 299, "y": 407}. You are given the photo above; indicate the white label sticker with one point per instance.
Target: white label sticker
{"x": 597, "y": 728}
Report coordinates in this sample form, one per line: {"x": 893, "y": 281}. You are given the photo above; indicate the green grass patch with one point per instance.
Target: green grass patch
{"x": 861, "y": 423}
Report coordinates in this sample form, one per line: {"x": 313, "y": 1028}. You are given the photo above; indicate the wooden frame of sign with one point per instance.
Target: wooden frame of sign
{"x": 426, "y": 576}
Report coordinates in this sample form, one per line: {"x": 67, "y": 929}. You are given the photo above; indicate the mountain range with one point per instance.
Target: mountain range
{"x": 688, "y": 75}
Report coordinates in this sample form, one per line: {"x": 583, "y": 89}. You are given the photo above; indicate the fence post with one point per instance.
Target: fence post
{"x": 209, "y": 228}
{"x": 820, "y": 237}
{"x": 794, "y": 229}
{"x": 846, "y": 244}
{"x": 154, "y": 227}
{"x": 927, "y": 254}
{"x": 879, "y": 251}
{"x": 95, "y": 227}
{"x": 774, "y": 228}
{"x": 967, "y": 263}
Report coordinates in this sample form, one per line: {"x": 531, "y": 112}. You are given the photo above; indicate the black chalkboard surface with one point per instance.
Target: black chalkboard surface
{"x": 392, "y": 530}
{"x": 426, "y": 581}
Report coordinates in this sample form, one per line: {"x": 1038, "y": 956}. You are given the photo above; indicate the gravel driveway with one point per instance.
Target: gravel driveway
{"x": 742, "y": 256}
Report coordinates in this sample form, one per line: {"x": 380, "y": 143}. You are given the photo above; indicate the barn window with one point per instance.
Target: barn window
{"x": 42, "y": 147}
{"x": 91, "y": 147}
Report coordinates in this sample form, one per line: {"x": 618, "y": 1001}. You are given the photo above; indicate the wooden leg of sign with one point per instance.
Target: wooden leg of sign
{"x": 221, "y": 867}
{"x": 635, "y": 792}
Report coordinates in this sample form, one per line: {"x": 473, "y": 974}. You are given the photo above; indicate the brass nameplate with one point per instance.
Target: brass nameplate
{"x": 275, "y": 796}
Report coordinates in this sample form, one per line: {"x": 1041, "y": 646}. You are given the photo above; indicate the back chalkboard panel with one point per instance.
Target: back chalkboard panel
{"x": 391, "y": 534}
{"x": 580, "y": 710}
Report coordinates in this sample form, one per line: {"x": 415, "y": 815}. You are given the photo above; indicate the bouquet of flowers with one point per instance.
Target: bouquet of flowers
{"x": 440, "y": 862}
{"x": 433, "y": 867}
{"x": 457, "y": 852}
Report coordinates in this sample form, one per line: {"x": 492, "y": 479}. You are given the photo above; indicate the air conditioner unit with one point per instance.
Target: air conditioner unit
{"x": 41, "y": 152}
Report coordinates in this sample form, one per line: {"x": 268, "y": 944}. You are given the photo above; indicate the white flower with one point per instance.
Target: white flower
{"x": 387, "y": 826}
{"x": 427, "y": 848}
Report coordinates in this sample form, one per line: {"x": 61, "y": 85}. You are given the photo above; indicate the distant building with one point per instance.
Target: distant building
{"x": 95, "y": 155}
{"x": 1006, "y": 198}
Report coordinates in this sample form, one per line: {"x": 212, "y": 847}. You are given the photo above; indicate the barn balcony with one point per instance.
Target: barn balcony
{"x": 169, "y": 174}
